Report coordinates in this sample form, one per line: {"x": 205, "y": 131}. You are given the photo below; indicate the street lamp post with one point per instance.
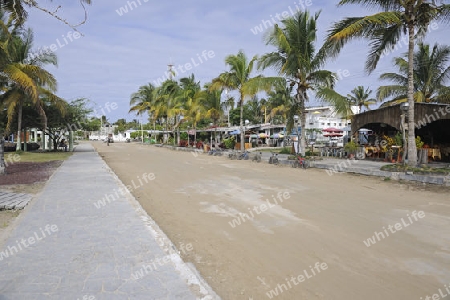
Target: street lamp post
{"x": 189, "y": 138}
{"x": 298, "y": 135}
{"x": 142, "y": 131}
{"x": 211, "y": 124}
{"x": 228, "y": 107}
{"x": 404, "y": 108}
{"x": 245, "y": 129}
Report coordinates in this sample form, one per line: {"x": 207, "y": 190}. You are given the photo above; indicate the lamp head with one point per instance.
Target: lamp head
{"x": 404, "y": 106}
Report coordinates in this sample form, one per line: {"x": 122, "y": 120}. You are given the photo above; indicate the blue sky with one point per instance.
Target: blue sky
{"x": 124, "y": 48}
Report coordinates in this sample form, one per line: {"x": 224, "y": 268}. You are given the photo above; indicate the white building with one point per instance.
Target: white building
{"x": 323, "y": 117}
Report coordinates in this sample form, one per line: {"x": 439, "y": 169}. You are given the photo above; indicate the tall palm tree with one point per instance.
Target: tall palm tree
{"x": 359, "y": 96}
{"x": 298, "y": 61}
{"x": 256, "y": 108}
{"x": 142, "y": 100}
{"x": 40, "y": 84}
{"x": 279, "y": 102}
{"x": 185, "y": 99}
{"x": 194, "y": 110}
{"x": 212, "y": 105}
{"x": 168, "y": 104}
{"x": 431, "y": 74}
{"x": 239, "y": 78}
{"x": 384, "y": 29}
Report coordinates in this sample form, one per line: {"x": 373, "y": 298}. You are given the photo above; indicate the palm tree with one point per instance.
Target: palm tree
{"x": 40, "y": 83}
{"x": 189, "y": 89}
{"x": 167, "y": 103}
{"x": 212, "y": 105}
{"x": 142, "y": 100}
{"x": 297, "y": 60}
{"x": 431, "y": 73}
{"x": 279, "y": 102}
{"x": 360, "y": 97}
{"x": 384, "y": 29}
{"x": 239, "y": 78}
{"x": 194, "y": 110}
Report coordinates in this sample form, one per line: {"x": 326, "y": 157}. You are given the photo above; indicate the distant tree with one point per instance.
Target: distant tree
{"x": 431, "y": 75}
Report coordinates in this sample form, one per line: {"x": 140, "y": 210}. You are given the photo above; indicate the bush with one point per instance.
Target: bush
{"x": 285, "y": 150}
{"x": 138, "y": 134}
{"x": 184, "y": 136}
{"x": 351, "y": 147}
{"x": 183, "y": 143}
{"x": 229, "y": 143}
{"x": 310, "y": 153}
{"x": 419, "y": 143}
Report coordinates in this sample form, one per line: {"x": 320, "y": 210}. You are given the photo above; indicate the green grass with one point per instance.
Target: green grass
{"x": 21, "y": 156}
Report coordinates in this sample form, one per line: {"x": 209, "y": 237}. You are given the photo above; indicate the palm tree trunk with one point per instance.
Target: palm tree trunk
{"x": 412, "y": 149}
{"x": 302, "y": 97}
{"x": 19, "y": 128}
{"x": 44, "y": 123}
{"x": 303, "y": 126}
{"x": 241, "y": 123}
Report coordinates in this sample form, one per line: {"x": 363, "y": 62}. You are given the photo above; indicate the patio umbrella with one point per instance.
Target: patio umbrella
{"x": 278, "y": 136}
{"x": 263, "y": 135}
{"x": 332, "y": 132}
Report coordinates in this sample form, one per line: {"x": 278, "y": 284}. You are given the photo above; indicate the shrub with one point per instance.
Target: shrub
{"x": 351, "y": 147}
{"x": 285, "y": 150}
{"x": 184, "y": 136}
{"x": 229, "y": 143}
{"x": 419, "y": 143}
{"x": 311, "y": 153}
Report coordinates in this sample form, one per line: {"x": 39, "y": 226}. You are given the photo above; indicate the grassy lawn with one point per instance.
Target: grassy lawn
{"x": 36, "y": 156}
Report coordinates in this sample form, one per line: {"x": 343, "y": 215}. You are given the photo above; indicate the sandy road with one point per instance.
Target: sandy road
{"x": 317, "y": 221}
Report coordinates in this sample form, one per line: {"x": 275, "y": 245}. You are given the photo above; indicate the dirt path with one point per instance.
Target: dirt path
{"x": 304, "y": 239}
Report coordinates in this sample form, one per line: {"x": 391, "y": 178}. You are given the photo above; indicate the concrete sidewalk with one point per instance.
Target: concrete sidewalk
{"x": 66, "y": 247}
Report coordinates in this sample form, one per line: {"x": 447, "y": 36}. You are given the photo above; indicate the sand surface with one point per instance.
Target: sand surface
{"x": 300, "y": 225}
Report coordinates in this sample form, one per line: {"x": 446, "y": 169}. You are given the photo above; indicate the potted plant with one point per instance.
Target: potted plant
{"x": 351, "y": 148}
